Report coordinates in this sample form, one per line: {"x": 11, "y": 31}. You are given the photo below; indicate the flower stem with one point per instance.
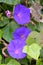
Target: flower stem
{"x": 4, "y": 52}
{"x": 4, "y": 43}
{"x": 26, "y": 3}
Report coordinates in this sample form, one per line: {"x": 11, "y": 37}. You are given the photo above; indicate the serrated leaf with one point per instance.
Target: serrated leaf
{"x": 8, "y": 30}
{"x": 33, "y": 50}
{"x": 11, "y": 2}
{"x": 13, "y": 62}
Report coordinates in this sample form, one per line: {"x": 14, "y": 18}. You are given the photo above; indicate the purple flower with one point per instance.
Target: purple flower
{"x": 21, "y": 14}
{"x": 21, "y": 33}
{"x": 15, "y": 48}
{"x": 8, "y": 13}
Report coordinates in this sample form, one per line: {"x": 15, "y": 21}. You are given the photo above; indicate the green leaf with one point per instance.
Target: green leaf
{"x": 13, "y": 62}
{"x": 8, "y": 30}
{"x": 25, "y": 49}
{"x": 23, "y": 61}
{"x": 30, "y": 58}
{"x": 0, "y": 33}
{"x": 31, "y": 27}
{"x": 7, "y": 60}
{"x": 41, "y": 53}
{"x": 41, "y": 2}
{"x": 2, "y": 64}
{"x": 30, "y": 40}
{"x": 33, "y": 50}
{"x": 0, "y": 58}
{"x": 34, "y": 36}
{"x": 39, "y": 62}
{"x": 11, "y": 2}
{"x": 4, "y": 21}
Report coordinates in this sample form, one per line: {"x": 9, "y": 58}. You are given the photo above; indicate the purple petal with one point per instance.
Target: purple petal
{"x": 21, "y": 14}
{"x": 15, "y": 48}
{"x": 21, "y": 33}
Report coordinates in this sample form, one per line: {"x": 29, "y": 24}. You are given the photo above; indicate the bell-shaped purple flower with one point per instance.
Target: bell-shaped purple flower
{"x": 21, "y": 14}
{"x": 15, "y": 48}
{"x": 21, "y": 33}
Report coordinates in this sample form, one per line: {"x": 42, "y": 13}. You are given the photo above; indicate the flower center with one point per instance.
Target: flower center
{"x": 19, "y": 15}
{"x": 16, "y": 51}
{"x": 22, "y": 36}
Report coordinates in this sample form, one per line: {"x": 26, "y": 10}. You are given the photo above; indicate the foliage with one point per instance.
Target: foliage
{"x": 31, "y": 50}
{"x": 34, "y": 41}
